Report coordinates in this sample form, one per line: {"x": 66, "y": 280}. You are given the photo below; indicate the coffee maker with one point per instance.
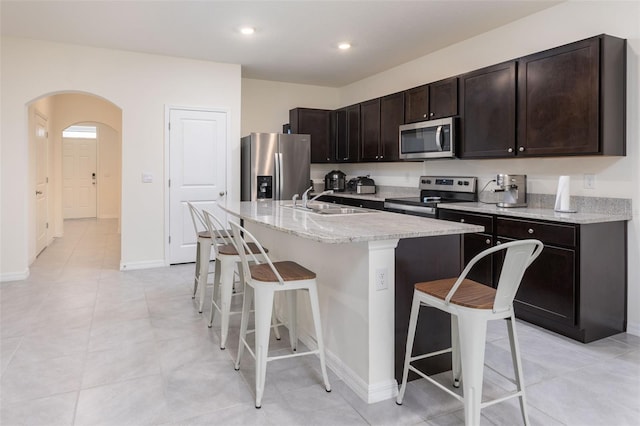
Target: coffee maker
{"x": 513, "y": 189}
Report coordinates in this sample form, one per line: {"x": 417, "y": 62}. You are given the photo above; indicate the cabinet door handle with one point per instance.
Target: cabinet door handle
{"x": 488, "y": 241}
{"x": 461, "y": 220}
{"x": 327, "y": 158}
{"x": 521, "y": 149}
{"x": 530, "y": 231}
{"x": 432, "y": 114}
{"x": 498, "y": 243}
{"x": 510, "y": 150}
{"x": 424, "y": 115}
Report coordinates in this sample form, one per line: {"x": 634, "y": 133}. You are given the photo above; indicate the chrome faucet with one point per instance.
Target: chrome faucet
{"x": 327, "y": 192}
{"x": 305, "y": 196}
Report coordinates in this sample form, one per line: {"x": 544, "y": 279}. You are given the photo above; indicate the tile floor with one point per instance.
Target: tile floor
{"x": 85, "y": 344}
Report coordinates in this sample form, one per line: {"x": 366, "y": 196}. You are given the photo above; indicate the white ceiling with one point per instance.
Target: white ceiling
{"x": 295, "y": 41}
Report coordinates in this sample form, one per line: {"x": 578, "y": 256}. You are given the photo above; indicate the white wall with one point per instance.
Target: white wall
{"x": 109, "y": 171}
{"x": 266, "y": 104}
{"x": 141, "y": 85}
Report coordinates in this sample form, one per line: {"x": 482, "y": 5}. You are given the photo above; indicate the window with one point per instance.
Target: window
{"x": 80, "y": 132}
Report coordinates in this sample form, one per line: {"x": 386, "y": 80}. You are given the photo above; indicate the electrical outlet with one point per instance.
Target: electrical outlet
{"x": 589, "y": 181}
{"x": 381, "y": 279}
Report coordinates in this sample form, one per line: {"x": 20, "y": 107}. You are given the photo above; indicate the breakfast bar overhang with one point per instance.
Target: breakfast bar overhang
{"x": 354, "y": 257}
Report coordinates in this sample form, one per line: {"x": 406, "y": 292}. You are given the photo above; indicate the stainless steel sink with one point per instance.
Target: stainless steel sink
{"x": 328, "y": 209}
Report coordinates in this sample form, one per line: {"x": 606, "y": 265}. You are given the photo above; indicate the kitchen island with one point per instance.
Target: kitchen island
{"x": 355, "y": 258}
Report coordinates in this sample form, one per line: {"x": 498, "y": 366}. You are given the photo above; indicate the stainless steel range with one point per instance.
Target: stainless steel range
{"x": 433, "y": 191}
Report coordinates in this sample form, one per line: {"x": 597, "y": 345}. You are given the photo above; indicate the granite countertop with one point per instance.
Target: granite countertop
{"x": 590, "y": 209}
{"x": 374, "y": 225}
{"x": 537, "y": 213}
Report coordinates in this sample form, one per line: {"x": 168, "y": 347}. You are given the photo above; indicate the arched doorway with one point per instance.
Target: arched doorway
{"x": 60, "y": 111}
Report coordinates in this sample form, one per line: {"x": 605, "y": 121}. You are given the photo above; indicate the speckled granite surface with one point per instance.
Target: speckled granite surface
{"x": 335, "y": 229}
{"x": 540, "y": 206}
{"x": 581, "y": 217}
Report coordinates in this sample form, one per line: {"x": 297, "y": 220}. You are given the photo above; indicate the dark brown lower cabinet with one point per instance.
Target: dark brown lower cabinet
{"x": 472, "y": 244}
{"x": 578, "y": 285}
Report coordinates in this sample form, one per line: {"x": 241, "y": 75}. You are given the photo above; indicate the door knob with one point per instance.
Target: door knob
{"x": 222, "y": 193}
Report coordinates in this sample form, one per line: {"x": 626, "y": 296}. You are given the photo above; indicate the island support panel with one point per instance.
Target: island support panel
{"x": 357, "y": 318}
{"x": 418, "y": 260}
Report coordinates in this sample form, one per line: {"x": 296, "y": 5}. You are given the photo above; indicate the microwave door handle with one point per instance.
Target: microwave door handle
{"x": 439, "y": 140}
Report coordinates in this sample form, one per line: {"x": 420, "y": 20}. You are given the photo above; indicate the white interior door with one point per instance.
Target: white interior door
{"x": 78, "y": 178}
{"x": 197, "y": 173}
{"x": 41, "y": 193}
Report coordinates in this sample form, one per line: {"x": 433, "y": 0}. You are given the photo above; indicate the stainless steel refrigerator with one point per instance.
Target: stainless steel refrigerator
{"x": 274, "y": 166}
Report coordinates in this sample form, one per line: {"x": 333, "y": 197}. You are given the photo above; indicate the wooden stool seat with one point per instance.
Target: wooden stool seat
{"x": 230, "y": 250}
{"x": 470, "y": 294}
{"x": 204, "y": 234}
{"x": 289, "y": 271}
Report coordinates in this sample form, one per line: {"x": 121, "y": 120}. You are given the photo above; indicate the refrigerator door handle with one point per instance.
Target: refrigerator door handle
{"x": 276, "y": 176}
{"x": 280, "y": 175}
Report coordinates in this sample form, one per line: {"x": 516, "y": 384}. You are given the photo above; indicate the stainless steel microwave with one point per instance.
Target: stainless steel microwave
{"x": 428, "y": 139}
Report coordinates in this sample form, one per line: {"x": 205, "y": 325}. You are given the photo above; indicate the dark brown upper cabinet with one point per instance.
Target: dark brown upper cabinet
{"x": 346, "y": 130}
{"x": 432, "y": 101}
{"x": 488, "y": 112}
{"x": 380, "y": 120}
{"x": 571, "y": 99}
{"x": 391, "y": 118}
{"x": 416, "y": 104}
{"x": 317, "y": 123}
{"x": 370, "y": 130}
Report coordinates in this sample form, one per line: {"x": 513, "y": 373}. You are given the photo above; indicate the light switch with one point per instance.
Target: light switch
{"x": 147, "y": 178}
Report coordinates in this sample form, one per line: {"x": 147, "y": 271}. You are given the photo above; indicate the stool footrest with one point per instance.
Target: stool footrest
{"x": 438, "y": 384}
{"x": 430, "y": 354}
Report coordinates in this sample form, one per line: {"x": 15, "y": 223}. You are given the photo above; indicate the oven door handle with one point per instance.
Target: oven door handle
{"x": 408, "y": 208}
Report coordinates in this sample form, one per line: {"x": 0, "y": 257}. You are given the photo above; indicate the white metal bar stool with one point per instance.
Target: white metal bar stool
{"x": 203, "y": 254}
{"x": 262, "y": 280}
{"x": 227, "y": 259}
{"x": 471, "y": 305}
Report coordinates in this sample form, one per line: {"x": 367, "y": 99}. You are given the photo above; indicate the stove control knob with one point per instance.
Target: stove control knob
{"x": 459, "y": 182}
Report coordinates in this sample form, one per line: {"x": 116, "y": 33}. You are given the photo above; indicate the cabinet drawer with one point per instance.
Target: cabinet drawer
{"x": 564, "y": 235}
{"x": 470, "y": 218}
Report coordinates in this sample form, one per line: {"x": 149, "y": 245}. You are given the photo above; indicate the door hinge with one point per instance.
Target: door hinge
{"x": 169, "y": 183}
{"x": 47, "y": 179}
{"x": 169, "y": 239}
{"x": 169, "y": 125}
{"x": 47, "y": 225}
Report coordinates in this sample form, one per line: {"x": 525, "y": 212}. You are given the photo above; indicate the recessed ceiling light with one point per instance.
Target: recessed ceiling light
{"x": 344, "y": 46}
{"x": 247, "y": 30}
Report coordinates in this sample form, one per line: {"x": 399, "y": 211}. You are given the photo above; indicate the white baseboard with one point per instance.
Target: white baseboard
{"x": 633, "y": 328}
{"x": 148, "y": 264}
{"x": 14, "y": 276}
{"x": 369, "y": 393}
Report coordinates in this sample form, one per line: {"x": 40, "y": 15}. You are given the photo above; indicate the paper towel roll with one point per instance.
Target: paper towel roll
{"x": 563, "y": 194}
